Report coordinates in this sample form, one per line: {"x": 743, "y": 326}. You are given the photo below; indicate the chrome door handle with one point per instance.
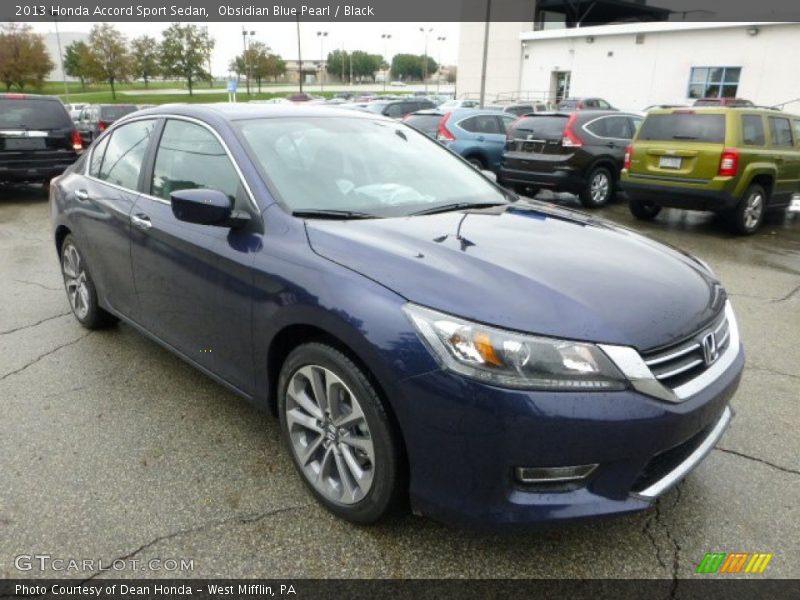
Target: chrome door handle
{"x": 82, "y": 194}
{"x": 141, "y": 221}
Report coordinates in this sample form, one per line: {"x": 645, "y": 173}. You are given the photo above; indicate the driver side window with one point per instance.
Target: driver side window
{"x": 190, "y": 157}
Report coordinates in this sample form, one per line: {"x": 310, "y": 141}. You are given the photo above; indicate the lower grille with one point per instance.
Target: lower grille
{"x": 675, "y": 365}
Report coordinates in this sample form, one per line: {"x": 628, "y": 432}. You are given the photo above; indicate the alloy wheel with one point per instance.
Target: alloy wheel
{"x": 329, "y": 435}
{"x": 753, "y": 209}
{"x": 599, "y": 188}
{"x": 75, "y": 281}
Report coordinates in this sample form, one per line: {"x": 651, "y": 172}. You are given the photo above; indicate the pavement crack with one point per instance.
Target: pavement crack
{"x": 760, "y": 460}
{"x": 788, "y": 296}
{"x": 20, "y": 328}
{"x": 46, "y": 354}
{"x": 648, "y": 531}
{"x": 245, "y": 519}
{"x": 773, "y": 371}
{"x": 44, "y": 287}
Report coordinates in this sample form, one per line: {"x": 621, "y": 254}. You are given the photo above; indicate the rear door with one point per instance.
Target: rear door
{"x": 534, "y": 143}
{"x": 682, "y": 144}
{"x": 786, "y": 158}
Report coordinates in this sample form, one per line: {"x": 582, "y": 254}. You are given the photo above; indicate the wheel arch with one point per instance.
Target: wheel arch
{"x": 61, "y": 233}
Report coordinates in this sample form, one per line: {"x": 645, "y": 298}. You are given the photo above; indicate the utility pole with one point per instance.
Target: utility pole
{"x": 385, "y": 37}
{"x": 321, "y": 35}
{"x": 485, "y": 51}
{"x": 439, "y": 39}
{"x": 61, "y": 63}
{"x": 299, "y": 56}
{"x": 245, "y": 33}
{"x": 425, "y": 33}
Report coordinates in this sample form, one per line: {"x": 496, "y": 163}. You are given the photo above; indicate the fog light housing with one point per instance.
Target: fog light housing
{"x": 545, "y": 475}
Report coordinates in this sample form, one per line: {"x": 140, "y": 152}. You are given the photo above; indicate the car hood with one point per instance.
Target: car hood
{"x": 534, "y": 268}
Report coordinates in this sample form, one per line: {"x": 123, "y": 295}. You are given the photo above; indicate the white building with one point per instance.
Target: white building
{"x": 633, "y": 65}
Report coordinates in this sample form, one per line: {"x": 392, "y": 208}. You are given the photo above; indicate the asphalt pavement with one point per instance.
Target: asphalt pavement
{"x": 113, "y": 448}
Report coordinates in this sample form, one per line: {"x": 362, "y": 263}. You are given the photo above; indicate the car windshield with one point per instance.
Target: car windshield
{"x": 362, "y": 165}
{"x": 686, "y": 126}
{"x": 30, "y": 113}
{"x": 425, "y": 123}
{"x": 376, "y": 107}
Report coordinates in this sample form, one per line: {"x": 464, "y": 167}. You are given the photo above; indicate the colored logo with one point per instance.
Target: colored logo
{"x": 734, "y": 562}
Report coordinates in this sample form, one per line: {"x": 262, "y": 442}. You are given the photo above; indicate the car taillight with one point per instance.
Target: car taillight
{"x": 77, "y": 143}
{"x": 15, "y": 96}
{"x": 570, "y": 139}
{"x": 729, "y": 163}
{"x": 443, "y": 134}
{"x": 626, "y": 161}
{"x": 101, "y": 125}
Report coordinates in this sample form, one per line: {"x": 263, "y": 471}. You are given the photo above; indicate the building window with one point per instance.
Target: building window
{"x": 714, "y": 82}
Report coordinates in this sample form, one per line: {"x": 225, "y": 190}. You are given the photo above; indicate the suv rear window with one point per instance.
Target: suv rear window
{"x": 32, "y": 113}
{"x": 112, "y": 113}
{"x": 687, "y": 127}
{"x": 539, "y": 128}
{"x": 427, "y": 123}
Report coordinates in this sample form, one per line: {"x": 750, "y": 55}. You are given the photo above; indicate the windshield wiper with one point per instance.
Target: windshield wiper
{"x": 456, "y": 206}
{"x": 328, "y": 213}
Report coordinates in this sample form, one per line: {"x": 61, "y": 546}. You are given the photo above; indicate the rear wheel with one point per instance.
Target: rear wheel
{"x": 642, "y": 210}
{"x": 477, "y": 162}
{"x": 81, "y": 292}
{"x": 749, "y": 213}
{"x": 339, "y": 435}
{"x": 599, "y": 188}
{"x": 526, "y": 190}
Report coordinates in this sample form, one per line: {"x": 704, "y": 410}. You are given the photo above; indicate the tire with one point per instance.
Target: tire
{"x": 80, "y": 288}
{"x": 356, "y": 430}
{"x": 477, "y": 162}
{"x": 599, "y": 188}
{"x": 642, "y": 210}
{"x": 527, "y": 190}
{"x": 748, "y": 215}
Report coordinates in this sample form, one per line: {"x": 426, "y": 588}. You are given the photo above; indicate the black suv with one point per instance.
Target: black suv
{"x": 95, "y": 118}
{"x": 580, "y": 152}
{"x": 37, "y": 138}
{"x": 397, "y": 109}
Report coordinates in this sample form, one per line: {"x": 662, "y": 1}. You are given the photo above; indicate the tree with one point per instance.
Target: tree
{"x": 76, "y": 62}
{"x": 274, "y": 66}
{"x": 365, "y": 64}
{"x": 338, "y": 63}
{"x": 23, "y": 57}
{"x": 184, "y": 52}
{"x": 144, "y": 58}
{"x": 109, "y": 59}
{"x": 411, "y": 66}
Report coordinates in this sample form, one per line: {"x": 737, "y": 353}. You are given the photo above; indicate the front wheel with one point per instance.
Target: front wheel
{"x": 644, "y": 211}
{"x": 339, "y": 434}
{"x": 748, "y": 214}
{"x": 81, "y": 292}
{"x": 599, "y": 188}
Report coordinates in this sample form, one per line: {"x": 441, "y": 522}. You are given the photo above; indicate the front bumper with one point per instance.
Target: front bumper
{"x": 465, "y": 439}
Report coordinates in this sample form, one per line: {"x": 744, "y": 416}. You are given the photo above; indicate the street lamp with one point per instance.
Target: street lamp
{"x": 245, "y": 33}
{"x": 425, "y": 33}
{"x": 385, "y": 37}
{"x": 321, "y": 35}
{"x": 439, "y": 39}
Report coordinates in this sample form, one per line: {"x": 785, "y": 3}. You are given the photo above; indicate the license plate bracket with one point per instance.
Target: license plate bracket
{"x": 670, "y": 162}
{"x": 25, "y": 143}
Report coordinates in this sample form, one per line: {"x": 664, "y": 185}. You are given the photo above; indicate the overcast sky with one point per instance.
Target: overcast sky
{"x": 282, "y": 37}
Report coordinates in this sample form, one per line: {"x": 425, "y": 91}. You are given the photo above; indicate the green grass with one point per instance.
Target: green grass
{"x": 74, "y": 87}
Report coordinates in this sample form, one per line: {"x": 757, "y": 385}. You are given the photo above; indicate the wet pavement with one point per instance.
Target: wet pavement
{"x": 113, "y": 448}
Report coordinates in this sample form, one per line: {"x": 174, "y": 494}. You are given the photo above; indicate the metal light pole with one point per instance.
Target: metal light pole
{"x": 321, "y": 35}
{"x": 439, "y": 39}
{"x": 385, "y": 37}
{"x": 61, "y": 63}
{"x": 485, "y": 51}
{"x": 299, "y": 55}
{"x": 245, "y": 33}
{"x": 425, "y": 33}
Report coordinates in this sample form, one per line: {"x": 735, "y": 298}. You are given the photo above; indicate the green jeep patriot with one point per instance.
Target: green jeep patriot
{"x": 737, "y": 161}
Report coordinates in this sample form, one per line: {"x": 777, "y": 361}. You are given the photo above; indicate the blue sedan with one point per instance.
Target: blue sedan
{"x": 420, "y": 333}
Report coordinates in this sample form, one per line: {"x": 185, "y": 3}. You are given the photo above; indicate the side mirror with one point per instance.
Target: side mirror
{"x": 491, "y": 175}
{"x": 206, "y": 207}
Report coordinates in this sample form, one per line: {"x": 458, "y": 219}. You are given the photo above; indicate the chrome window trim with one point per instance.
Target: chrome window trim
{"x": 632, "y": 365}
{"x": 690, "y": 462}
{"x": 167, "y": 116}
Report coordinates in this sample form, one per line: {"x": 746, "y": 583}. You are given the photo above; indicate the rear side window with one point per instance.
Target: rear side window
{"x": 753, "y": 130}
{"x": 425, "y": 123}
{"x": 781, "y": 131}
{"x": 190, "y": 157}
{"x": 125, "y": 152}
{"x": 33, "y": 114}
{"x": 539, "y": 128}
{"x": 97, "y": 157}
{"x": 481, "y": 124}
{"x": 688, "y": 127}
{"x": 611, "y": 127}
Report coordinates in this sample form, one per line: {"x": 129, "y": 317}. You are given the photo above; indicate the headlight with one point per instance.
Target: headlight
{"x": 514, "y": 360}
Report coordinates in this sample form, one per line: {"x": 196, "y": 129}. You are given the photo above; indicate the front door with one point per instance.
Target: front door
{"x": 194, "y": 282}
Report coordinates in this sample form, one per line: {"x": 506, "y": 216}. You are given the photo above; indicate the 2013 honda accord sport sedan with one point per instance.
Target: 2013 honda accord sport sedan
{"x": 420, "y": 334}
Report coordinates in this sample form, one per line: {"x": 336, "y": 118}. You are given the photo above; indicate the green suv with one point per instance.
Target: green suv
{"x": 737, "y": 161}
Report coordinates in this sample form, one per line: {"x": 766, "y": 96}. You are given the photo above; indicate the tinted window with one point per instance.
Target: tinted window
{"x": 97, "y": 157}
{"x": 611, "y": 127}
{"x": 481, "y": 124}
{"x": 112, "y": 113}
{"x": 781, "y": 131}
{"x": 33, "y": 114}
{"x": 541, "y": 128}
{"x": 796, "y": 130}
{"x": 189, "y": 157}
{"x": 753, "y": 130}
{"x": 603, "y": 104}
{"x": 395, "y": 110}
{"x": 684, "y": 126}
{"x": 124, "y": 154}
{"x": 427, "y": 123}
{"x": 376, "y": 107}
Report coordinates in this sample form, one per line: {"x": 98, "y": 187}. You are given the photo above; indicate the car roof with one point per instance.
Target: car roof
{"x": 236, "y": 111}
